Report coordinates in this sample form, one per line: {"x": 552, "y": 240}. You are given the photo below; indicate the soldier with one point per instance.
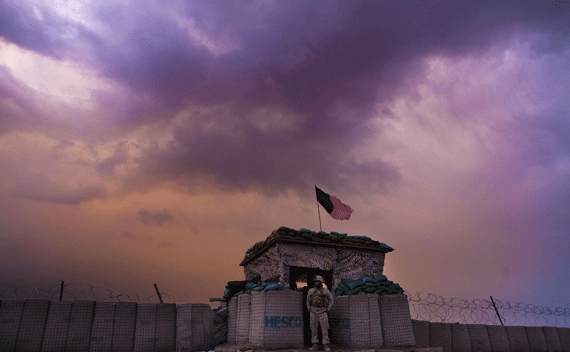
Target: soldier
{"x": 319, "y": 303}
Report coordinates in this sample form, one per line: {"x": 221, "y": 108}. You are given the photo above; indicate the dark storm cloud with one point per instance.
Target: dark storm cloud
{"x": 324, "y": 66}
{"x": 21, "y": 26}
{"x": 22, "y": 111}
{"x": 155, "y": 218}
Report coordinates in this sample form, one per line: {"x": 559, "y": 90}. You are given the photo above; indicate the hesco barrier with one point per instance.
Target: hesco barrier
{"x": 243, "y": 317}
{"x": 110, "y": 326}
{"x": 124, "y": 329}
{"x": 517, "y": 338}
{"x": 80, "y": 324}
{"x": 102, "y": 331}
{"x": 396, "y": 324}
{"x": 564, "y": 336}
{"x": 421, "y": 332}
{"x": 552, "y": 340}
{"x": 440, "y": 335}
{"x": 31, "y": 327}
{"x": 194, "y": 327}
{"x": 536, "y": 339}
{"x": 145, "y": 327}
{"x": 57, "y": 324}
{"x": 498, "y": 338}
{"x": 232, "y": 320}
{"x": 479, "y": 337}
{"x": 276, "y": 319}
{"x": 354, "y": 321}
{"x": 460, "y": 340}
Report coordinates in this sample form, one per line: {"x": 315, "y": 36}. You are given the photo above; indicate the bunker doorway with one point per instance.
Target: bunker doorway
{"x": 302, "y": 279}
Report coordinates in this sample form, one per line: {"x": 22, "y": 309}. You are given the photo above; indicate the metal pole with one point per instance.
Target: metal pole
{"x": 501, "y": 320}
{"x": 159, "y": 296}
{"x": 61, "y": 291}
{"x": 319, "y": 210}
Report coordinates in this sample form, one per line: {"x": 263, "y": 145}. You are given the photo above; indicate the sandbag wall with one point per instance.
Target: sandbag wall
{"x": 492, "y": 338}
{"x": 42, "y": 325}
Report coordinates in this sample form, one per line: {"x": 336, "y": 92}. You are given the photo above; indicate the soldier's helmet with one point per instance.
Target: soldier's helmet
{"x": 318, "y": 278}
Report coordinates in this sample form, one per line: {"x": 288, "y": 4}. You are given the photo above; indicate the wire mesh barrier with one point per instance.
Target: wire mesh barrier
{"x": 439, "y": 309}
{"x": 423, "y": 306}
{"x": 60, "y": 292}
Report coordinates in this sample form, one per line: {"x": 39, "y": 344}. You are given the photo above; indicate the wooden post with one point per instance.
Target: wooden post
{"x": 61, "y": 291}
{"x": 501, "y": 320}
{"x": 159, "y": 296}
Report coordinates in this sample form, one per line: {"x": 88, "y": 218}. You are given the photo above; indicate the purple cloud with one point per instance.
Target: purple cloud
{"x": 155, "y": 218}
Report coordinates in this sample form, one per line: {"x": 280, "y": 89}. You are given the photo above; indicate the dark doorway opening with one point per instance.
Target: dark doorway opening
{"x": 300, "y": 276}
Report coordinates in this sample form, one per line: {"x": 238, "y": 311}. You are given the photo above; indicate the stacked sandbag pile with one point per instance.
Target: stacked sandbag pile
{"x": 265, "y": 286}
{"x": 252, "y": 286}
{"x": 368, "y": 285}
{"x": 318, "y": 237}
{"x": 220, "y": 330}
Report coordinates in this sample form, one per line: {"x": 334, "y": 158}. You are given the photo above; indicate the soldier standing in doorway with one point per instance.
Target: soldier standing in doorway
{"x": 319, "y": 303}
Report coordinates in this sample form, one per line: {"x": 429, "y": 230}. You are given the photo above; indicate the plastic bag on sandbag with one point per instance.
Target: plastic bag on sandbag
{"x": 265, "y": 284}
{"x": 258, "y": 288}
{"x": 250, "y": 285}
{"x": 370, "y": 289}
{"x": 368, "y": 280}
{"x": 381, "y": 278}
{"x": 322, "y": 233}
{"x": 271, "y": 287}
{"x": 384, "y": 246}
{"x": 351, "y": 284}
{"x": 362, "y": 238}
{"x": 304, "y": 230}
{"x": 339, "y": 235}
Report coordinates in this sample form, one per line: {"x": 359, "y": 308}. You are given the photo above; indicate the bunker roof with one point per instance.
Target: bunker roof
{"x": 314, "y": 239}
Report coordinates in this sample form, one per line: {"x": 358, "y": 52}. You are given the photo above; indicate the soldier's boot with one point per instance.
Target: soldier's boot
{"x": 327, "y": 348}
{"x": 314, "y": 348}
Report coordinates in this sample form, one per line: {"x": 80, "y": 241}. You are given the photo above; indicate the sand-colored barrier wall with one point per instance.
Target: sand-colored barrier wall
{"x": 275, "y": 322}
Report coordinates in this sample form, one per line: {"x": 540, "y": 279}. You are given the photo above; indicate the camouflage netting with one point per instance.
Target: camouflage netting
{"x": 316, "y": 237}
{"x": 368, "y": 285}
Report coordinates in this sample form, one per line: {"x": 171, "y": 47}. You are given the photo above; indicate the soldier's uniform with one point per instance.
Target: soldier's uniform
{"x": 319, "y": 303}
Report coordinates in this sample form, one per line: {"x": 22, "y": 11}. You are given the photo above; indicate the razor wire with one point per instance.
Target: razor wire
{"x": 439, "y": 309}
{"x": 24, "y": 292}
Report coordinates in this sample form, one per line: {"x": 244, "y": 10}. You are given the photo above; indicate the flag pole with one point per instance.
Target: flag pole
{"x": 319, "y": 210}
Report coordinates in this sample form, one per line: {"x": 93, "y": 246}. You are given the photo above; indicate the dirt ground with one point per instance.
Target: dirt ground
{"x": 246, "y": 347}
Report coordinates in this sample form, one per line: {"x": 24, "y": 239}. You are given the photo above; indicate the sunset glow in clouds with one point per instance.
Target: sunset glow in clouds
{"x": 155, "y": 142}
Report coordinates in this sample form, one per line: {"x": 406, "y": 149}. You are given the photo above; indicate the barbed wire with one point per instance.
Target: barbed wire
{"x": 434, "y": 308}
{"x": 15, "y": 293}
{"x": 423, "y": 306}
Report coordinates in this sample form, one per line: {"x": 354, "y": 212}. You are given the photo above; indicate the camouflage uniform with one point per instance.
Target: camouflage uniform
{"x": 319, "y": 302}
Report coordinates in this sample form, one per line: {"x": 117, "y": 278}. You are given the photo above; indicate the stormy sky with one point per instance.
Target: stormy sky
{"x": 155, "y": 141}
